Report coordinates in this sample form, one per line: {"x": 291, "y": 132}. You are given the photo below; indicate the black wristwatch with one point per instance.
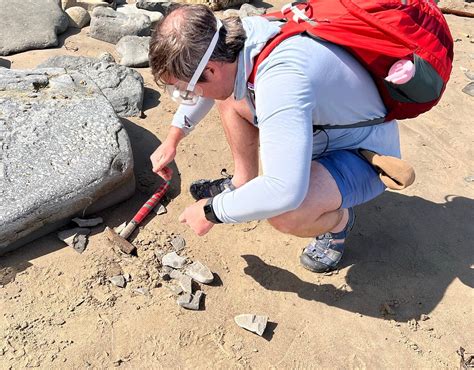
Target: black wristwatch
{"x": 209, "y": 212}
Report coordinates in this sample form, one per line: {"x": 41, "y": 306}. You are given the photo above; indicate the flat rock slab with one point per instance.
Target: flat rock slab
{"x": 122, "y": 86}
{"x": 63, "y": 152}
{"x": 200, "y": 273}
{"x": 110, "y": 26}
{"x": 30, "y": 24}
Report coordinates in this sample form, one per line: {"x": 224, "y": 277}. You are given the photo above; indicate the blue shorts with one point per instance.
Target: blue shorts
{"x": 356, "y": 179}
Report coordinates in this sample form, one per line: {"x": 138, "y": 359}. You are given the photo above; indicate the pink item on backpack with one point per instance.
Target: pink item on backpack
{"x": 401, "y": 72}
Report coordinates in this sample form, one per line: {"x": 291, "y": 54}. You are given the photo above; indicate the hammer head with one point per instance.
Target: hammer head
{"x": 121, "y": 243}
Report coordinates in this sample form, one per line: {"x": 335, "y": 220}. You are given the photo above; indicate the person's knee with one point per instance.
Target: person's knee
{"x": 286, "y": 223}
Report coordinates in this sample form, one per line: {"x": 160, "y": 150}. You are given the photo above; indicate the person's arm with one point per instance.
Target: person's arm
{"x": 284, "y": 104}
{"x": 184, "y": 121}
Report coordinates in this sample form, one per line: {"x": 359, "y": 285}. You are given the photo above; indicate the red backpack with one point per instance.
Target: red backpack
{"x": 379, "y": 33}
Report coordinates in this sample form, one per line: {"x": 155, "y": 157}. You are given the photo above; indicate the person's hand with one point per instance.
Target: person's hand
{"x": 161, "y": 157}
{"x": 194, "y": 217}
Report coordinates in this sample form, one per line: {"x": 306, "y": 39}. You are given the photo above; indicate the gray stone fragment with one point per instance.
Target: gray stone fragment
{"x": 133, "y": 51}
{"x": 75, "y": 238}
{"x": 186, "y": 283}
{"x": 469, "y": 178}
{"x": 251, "y": 322}
{"x": 178, "y": 243}
{"x": 27, "y": 25}
{"x": 173, "y": 260}
{"x": 120, "y": 227}
{"x": 469, "y": 89}
{"x": 160, "y": 209}
{"x": 122, "y": 86}
{"x": 469, "y": 75}
{"x": 65, "y": 153}
{"x": 199, "y": 272}
{"x": 143, "y": 291}
{"x": 110, "y": 26}
{"x": 177, "y": 290}
{"x": 189, "y": 301}
{"x": 118, "y": 281}
{"x": 78, "y": 17}
{"x": 132, "y": 10}
{"x": 91, "y": 222}
{"x": 154, "y": 5}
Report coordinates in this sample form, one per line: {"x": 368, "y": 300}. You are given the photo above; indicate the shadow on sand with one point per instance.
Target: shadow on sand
{"x": 404, "y": 251}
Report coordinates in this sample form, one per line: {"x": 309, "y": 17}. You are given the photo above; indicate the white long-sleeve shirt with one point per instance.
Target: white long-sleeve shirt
{"x": 302, "y": 83}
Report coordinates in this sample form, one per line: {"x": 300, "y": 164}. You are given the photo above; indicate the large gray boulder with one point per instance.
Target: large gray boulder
{"x": 153, "y": 5}
{"x": 122, "y": 86}
{"x": 30, "y": 24}
{"x": 110, "y": 26}
{"x": 63, "y": 152}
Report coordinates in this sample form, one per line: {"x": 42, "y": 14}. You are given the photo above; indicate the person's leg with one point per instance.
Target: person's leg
{"x": 339, "y": 181}
{"x": 320, "y": 211}
{"x": 242, "y": 137}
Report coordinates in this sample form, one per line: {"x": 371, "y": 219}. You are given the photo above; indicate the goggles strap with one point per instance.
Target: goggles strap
{"x": 205, "y": 59}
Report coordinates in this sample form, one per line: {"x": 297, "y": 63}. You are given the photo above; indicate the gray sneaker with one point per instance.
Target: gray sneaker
{"x": 201, "y": 189}
{"x": 325, "y": 252}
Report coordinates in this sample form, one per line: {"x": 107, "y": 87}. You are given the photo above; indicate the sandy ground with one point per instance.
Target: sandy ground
{"x": 403, "y": 297}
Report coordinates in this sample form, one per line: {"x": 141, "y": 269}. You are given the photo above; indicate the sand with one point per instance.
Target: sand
{"x": 402, "y": 298}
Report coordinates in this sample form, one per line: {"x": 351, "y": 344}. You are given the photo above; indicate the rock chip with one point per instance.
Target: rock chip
{"x": 91, "y": 222}
{"x": 75, "y": 238}
{"x": 133, "y": 51}
{"x": 199, "y": 272}
{"x": 173, "y": 260}
{"x": 78, "y": 17}
{"x": 190, "y": 301}
{"x": 118, "y": 281}
{"x": 251, "y": 322}
{"x": 178, "y": 243}
{"x": 63, "y": 152}
{"x": 132, "y": 10}
{"x": 110, "y": 26}
{"x": 122, "y": 86}
{"x": 469, "y": 89}
{"x": 27, "y": 25}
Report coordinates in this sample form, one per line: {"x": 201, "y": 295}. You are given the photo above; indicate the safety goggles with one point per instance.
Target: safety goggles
{"x": 188, "y": 94}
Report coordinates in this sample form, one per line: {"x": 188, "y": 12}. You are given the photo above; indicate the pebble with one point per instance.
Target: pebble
{"x": 200, "y": 273}
{"x": 143, "y": 291}
{"x": 82, "y": 222}
{"x": 189, "y": 301}
{"x": 469, "y": 89}
{"x": 424, "y": 317}
{"x": 160, "y": 209}
{"x": 178, "y": 243}
{"x": 251, "y": 322}
{"x": 469, "y": 179}
{"x": 469, "y": 75}
{"x": 127, "y": 277}
{"x": 173, "y": 260}
{"x": 118, "y": 281}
